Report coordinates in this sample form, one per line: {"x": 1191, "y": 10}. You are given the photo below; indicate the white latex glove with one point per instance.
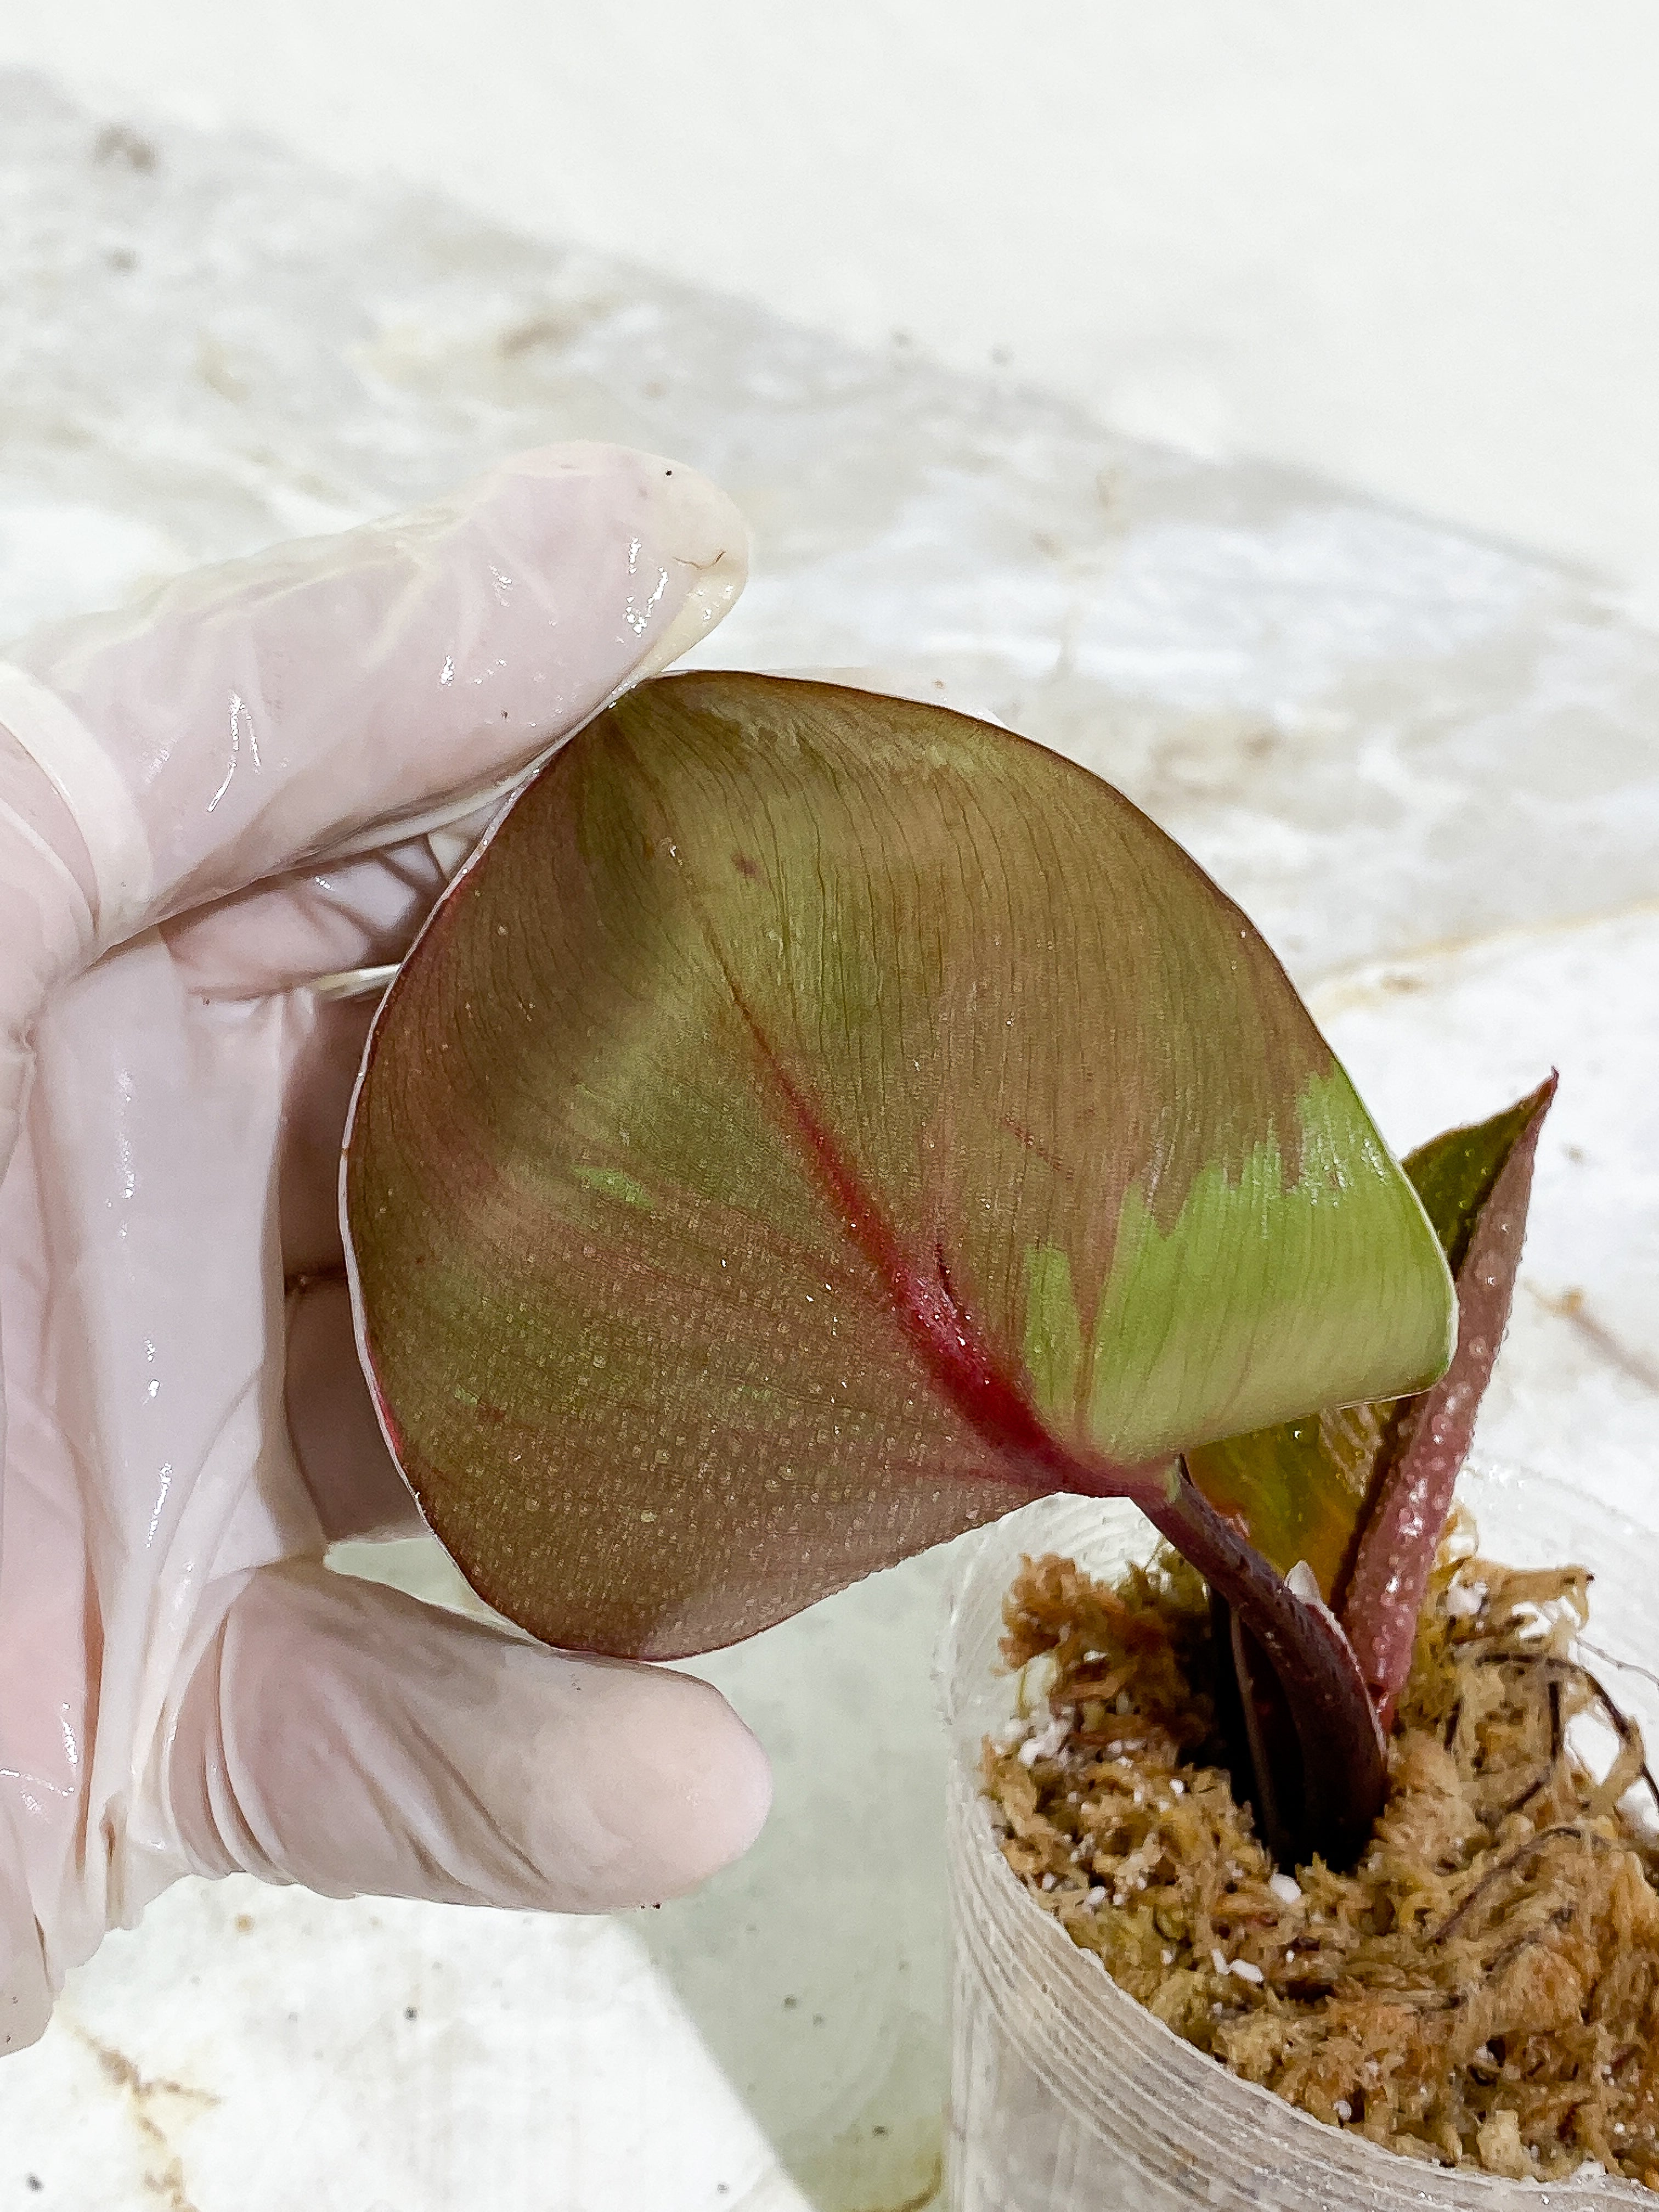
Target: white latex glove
{"x": 184, "y": 1687}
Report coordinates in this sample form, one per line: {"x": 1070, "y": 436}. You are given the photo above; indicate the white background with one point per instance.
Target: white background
{"x": 1413, "y": 247}
{"x": 1410, "y": 248}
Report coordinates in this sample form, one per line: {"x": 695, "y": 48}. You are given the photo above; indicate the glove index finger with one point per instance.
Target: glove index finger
{"x": 341, "y": 1735}
{"x": 323, "y": 697}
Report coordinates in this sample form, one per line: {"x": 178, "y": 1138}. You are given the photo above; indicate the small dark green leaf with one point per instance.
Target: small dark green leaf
{"x": 1455, "y": 1173}
{"x": 1299, "y": 1487}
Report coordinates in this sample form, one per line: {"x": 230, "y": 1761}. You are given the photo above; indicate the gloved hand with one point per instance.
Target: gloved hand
{"x": 203, "y": 804}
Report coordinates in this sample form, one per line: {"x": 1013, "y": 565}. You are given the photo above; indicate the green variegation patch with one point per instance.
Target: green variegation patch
{"x": 1054, "y": 1333}
{"x": 615, "y": 1184}
{"x": 1304, "y": 1487}
{"x": 1245, "y": 1307}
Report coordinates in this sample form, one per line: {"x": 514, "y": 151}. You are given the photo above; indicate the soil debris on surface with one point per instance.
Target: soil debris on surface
{"x": 1482, "y": 1991}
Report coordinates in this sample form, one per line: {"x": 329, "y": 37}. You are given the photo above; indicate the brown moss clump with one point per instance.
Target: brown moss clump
{"x": 1483, "y": 1990}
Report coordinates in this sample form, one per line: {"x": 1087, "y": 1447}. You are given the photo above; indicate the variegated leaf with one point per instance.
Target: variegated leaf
{"x": 818, "y": 1122}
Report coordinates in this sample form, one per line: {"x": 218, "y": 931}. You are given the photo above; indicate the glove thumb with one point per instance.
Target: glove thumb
{"x": 341, "y": 1735}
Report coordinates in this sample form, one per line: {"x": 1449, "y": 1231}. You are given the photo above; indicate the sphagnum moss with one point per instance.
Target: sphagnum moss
{"x": 1482, "y": 1989}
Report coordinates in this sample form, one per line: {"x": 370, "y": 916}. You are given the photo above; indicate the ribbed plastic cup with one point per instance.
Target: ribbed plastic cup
{"x": 1065, "y": 2095}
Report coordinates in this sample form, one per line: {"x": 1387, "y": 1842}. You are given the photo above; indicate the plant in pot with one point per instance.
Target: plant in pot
{"x": 815, "y": 1125}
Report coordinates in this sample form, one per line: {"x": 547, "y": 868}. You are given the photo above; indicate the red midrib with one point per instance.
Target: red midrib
{"x": 957, "y": 1359}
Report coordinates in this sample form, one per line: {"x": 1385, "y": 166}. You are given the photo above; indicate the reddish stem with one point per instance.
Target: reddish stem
{"x": 1344, "y": 1761}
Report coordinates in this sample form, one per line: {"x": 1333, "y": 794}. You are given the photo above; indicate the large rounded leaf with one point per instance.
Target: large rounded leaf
{"x": 818, "y": 1122}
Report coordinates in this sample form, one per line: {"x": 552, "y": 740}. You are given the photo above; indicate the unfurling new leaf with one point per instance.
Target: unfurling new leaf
{"x": 1475, "y": 1184}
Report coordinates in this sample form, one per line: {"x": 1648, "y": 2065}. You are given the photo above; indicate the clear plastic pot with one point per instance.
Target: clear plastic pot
{"x": 1066, "y": 2095}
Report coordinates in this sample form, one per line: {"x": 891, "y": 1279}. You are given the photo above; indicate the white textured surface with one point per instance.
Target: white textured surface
{"x": 1427, "y": 766}
{"x": 1408, "y": 246}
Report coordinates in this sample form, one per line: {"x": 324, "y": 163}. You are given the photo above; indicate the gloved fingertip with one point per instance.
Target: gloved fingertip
{"x": 26, "y": 1986}
{"x": 688, "y": 1785}
{"x": 25, "y": 2004}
